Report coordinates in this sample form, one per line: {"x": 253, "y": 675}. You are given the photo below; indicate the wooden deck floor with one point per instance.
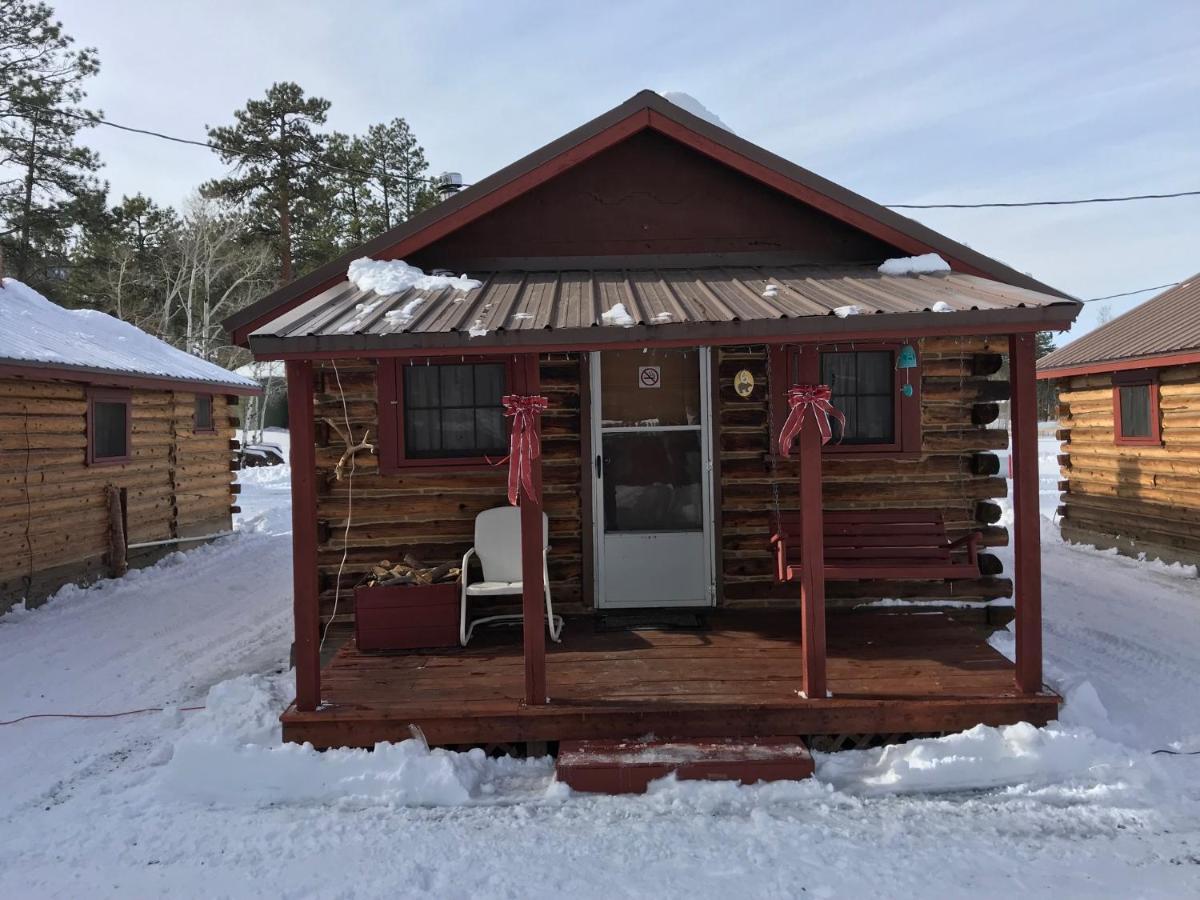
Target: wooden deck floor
{"x": 889, "y": 673}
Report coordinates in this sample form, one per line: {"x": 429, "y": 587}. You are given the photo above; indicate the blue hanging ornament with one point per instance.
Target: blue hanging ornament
{"x": 907, "y": 358}
{"x": 906, "y": 390}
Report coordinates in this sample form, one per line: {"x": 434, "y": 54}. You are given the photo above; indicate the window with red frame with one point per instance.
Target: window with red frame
{"x": 442, "y": 413}
{"x": 868, "y": 389}
{"x": 109, "y": 426}
{"x": 1135, "y": 409}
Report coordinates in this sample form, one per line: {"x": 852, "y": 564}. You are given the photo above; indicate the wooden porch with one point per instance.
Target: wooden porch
{"x": 890, "y": 673}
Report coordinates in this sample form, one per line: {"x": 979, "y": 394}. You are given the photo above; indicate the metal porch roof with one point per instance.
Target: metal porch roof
{"x": 524, "y": 307}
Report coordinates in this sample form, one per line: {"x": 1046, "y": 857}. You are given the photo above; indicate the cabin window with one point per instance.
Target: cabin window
{"x": 443, "y": 413}
{"x": 863, "y": 386}
{"x": 1135, "y": 409}
{"x": 203, "y": 417}
{"x": 881, "y": 402}
{"x": 109, "y": 426}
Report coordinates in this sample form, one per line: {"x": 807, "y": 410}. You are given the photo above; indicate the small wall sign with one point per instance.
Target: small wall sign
{"x": 649, "y": 376}
{"x": 743, "y": 383}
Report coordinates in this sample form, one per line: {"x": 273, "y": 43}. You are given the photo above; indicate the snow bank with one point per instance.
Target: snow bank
{"x": 395, "y": 276}
{"x": 690, "y": 104}
{"x": 231, "y": 755}
{"x": 33, "y": 329}
{"x": 983, "y": 758}
{"x": 914, "y": 265}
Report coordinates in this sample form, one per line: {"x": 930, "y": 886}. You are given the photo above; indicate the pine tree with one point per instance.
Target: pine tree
{"x": 398, "y": 181}
{"x": 276, "y": 154}
{"x": 351, "y": 198}
{"x": 1047, "y": 391}
{"x": 47, "y": 184}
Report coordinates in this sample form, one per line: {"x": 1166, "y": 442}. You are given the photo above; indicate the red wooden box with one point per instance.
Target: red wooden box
{"x": 406, "y": 616}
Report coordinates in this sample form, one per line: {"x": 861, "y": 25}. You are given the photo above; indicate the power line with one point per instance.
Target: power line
{"x": 1024, "y": 203}
{"x": 1157, "y": 287}
{"x": 209, "y": 145}
{"x": 350, "y": 170}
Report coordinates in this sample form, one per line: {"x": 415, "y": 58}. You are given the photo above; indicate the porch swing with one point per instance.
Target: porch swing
{"x": 864, "y": 544}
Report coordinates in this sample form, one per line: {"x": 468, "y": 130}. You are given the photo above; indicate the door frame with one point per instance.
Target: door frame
{"x": 707, "y": 487}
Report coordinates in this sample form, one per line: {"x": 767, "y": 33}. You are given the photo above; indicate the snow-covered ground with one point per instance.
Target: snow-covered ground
{"x": 209, "y": 803}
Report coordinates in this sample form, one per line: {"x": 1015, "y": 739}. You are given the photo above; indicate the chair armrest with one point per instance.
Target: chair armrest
{"x": 465, "y": 560}
{"x": 972, "y": 543}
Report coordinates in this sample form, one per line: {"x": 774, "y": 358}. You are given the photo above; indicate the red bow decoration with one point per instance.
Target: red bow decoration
{"x": 804, "y": 397}
{"x": 523, "y": 443}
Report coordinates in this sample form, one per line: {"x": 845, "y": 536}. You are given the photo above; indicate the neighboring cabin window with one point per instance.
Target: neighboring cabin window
{"x": 443, "y": 413}
{"x": 109, "y": 425}
{"x": 868, "y": 389}
{"x": 1135, "y": 409}
{"x": 203, "y": 418}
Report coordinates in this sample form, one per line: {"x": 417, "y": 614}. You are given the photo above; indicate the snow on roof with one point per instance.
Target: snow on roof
{"x": 690, "y": 104}
{"x": 925, "y": 264}
{"x": 35, "y": 330}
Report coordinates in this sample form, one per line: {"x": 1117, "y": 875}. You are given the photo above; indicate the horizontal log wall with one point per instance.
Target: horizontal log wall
{"x": 54, "y": 525}
{"x": 431, "y": 514}
{"x": 1140, "y": 499}
{"x": 955, "y": 472}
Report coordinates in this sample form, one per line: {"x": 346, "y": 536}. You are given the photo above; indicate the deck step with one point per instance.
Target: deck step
{"x": 627, "y": 766}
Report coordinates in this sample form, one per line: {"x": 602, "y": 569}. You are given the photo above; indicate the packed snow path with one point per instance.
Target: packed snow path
{"x": 210, "y": 804}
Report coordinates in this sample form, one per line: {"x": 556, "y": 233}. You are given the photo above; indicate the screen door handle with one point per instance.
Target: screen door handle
{"x": 599, "y": 466}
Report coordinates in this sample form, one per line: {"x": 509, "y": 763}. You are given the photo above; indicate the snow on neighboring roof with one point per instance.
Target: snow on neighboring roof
{"x": 925, "y": 264}
{"x": 688, "y": 103}
{"x": 260, "y": 371}
{"x": 35, "y": 330}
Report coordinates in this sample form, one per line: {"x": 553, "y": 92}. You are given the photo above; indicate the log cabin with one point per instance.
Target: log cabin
{"x": 1129, "y": 423}
{"x": 651, "y": 303}
{"x": 114, "y": 446}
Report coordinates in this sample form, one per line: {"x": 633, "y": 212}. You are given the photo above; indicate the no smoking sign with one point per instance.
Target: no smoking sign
{"x": 649, "y": 376}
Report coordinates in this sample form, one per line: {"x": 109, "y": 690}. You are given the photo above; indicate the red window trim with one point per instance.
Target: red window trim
{"x": 784, "y": 364}
{"x": 1139, "y": 378}
{"x": 212, "y": 416}
{"x": 389, "y": 393}
{"x": 109, "y": 395}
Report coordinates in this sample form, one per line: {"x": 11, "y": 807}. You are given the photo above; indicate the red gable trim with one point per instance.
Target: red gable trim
{"x": 522, "y": 184}
{"x": 1191, "y": 357}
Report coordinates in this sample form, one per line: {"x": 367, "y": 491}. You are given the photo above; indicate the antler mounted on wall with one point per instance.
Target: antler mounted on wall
{"x": 352, "y": 446}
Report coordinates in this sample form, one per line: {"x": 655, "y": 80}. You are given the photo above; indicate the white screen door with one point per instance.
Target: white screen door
{"x": 652, "y": 503}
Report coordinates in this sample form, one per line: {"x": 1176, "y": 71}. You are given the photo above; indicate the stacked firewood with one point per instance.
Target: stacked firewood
{"x": 409, "y": 570}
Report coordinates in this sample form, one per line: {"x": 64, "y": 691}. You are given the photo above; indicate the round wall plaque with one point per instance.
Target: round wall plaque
{"x": 743, "y": 383}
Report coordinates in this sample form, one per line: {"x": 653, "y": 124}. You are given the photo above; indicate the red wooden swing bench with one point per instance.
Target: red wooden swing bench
{"x": 862, "y": 544}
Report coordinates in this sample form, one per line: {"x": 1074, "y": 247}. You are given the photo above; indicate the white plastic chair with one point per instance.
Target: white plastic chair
{"x": 498, "y": 546}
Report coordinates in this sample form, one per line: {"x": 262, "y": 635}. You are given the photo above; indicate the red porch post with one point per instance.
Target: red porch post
{"x": 532, "y": 597}
{"x": 1026, "y": 516}
{"x": 305, "y": 609}
{"x": 812, "y": 543}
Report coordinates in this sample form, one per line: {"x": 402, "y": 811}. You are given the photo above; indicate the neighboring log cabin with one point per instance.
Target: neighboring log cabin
{"x": 1129, "y": 423}
{"x": 114, "y": 446}
{"x": 679, "y": 298}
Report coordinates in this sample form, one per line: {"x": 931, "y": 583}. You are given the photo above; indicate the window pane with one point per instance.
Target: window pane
{"x": 109, "y": 432}
{"x": 1135, "y": 411}
{"x": 837, "y": 371}
{"x": 652, "y": 387}
{"x": 420, "y": 386}
{"x": 652, "y": 481}
{"x": 204, "y": 419}
{"x": 849, "y": 408}
{"x": 458, "y": 431}
{"x": 489, "y": 384}
{"x": 489, "y": 431}
{"x": 874, "y": 420}
{"x": 875, "y": 372}
{"x": 458, "y": 385}
{"x": 422, "y": 432}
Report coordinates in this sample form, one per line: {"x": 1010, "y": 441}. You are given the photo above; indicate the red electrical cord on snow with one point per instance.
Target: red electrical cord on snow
{"x": 130, "y": 712}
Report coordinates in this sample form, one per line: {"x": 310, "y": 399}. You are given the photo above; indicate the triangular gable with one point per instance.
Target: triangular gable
{"x": 646, "y": 110}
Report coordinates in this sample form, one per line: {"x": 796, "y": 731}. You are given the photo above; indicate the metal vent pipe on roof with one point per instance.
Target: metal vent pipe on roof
{"x": 449, "y": 183}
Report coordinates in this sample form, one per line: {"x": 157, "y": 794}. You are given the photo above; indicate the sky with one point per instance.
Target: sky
{"x": 918, "y": 102}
